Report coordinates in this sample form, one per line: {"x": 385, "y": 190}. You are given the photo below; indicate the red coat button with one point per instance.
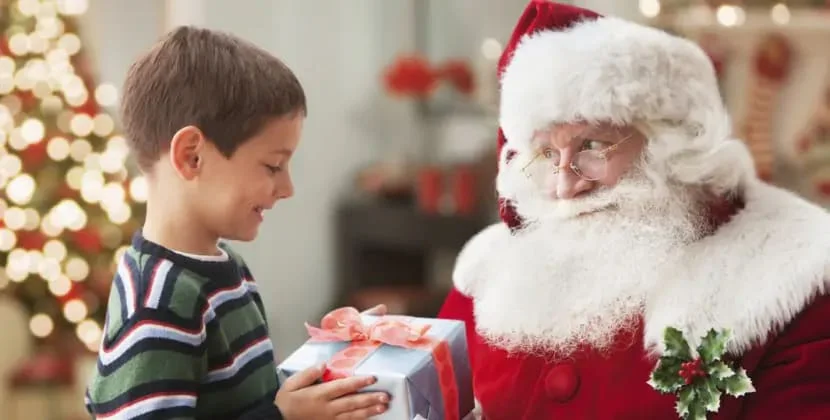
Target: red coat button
{"x": 562, "y": 383}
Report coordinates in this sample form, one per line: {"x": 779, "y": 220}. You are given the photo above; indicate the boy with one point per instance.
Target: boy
{"x": 213, "y": 122}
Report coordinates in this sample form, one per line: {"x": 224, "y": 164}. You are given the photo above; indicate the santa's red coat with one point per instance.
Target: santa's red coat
{"x": 790, "y": 368}
{"x": 791, "y": 375}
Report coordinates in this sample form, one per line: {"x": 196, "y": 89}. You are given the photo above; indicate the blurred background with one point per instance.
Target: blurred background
{"x": 394, "y": 174}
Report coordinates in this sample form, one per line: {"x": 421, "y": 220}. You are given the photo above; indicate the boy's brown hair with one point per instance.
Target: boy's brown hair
{"x": 225, "y": 86}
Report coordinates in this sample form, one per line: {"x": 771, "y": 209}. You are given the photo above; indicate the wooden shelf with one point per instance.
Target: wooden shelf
{"x": 384, "y": 246}
{"x": 403, "y": 226}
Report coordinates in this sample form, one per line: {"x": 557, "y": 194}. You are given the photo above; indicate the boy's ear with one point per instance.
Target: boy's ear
{"x": 186, "y": 148}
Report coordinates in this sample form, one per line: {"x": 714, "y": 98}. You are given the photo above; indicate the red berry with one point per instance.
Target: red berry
{"x": 691, "y": 370}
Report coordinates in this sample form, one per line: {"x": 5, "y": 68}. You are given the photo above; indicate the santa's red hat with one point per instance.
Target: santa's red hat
{"x": 567, "y": 64}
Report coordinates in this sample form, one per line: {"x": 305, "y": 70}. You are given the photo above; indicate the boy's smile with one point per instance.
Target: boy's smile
{"x": 260, "y": 212}
{"x": 252, "y": 180}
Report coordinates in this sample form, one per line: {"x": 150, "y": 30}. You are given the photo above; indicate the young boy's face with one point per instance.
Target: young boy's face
{"x": 234, "y": 193}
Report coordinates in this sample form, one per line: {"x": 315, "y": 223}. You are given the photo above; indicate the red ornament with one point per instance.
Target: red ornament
{"x": 88, "y": 240}
{"x": 65, "y": 191}
{"x": 690, "y": 371}
{"x": 34, "y": 156}
{"x": 77, "y": 291}
{"x": 823, "y": 188}
{"x": 31, "y": 240}
{"x": 773, "y": 59}
{"x": 459, "y": 75}
{"x": 90, "y": 107}
{"x": 28, "y": 101}
{"x": 4, "y": 46}
{"x": 410, "y": 76}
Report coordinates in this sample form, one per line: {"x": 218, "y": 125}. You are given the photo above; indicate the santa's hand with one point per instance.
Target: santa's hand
{"x": 379, "y": 310}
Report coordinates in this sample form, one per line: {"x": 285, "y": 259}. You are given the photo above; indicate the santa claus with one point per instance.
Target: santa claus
{"x": 642, "y": 270}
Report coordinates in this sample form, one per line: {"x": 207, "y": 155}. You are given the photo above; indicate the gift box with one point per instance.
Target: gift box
{"x": 422, "y": 363}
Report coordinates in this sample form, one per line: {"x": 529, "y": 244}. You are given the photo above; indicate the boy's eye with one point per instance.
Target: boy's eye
{"x": 273, "y": 169}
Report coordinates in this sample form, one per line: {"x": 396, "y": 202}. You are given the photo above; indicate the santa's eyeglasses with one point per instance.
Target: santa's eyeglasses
{"x": 588, "y": 164}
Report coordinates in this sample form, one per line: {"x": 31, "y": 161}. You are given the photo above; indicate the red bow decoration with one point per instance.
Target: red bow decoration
{"x": 410, "y": 76}
{"x": 458, "y": 74}
{"x": 344, "y": 324}
{"x": 415, "y": 76}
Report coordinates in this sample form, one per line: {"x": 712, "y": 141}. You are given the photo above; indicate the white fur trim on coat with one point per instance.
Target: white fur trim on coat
{"x": 607, "y": 69}
{"x": 753, "y": 276}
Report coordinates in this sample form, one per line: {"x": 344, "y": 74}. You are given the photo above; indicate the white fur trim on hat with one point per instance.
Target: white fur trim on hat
{"x": 610, "y": 70}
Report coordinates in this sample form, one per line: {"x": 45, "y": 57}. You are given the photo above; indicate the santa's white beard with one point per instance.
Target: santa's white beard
{"x": 578, "y": 275}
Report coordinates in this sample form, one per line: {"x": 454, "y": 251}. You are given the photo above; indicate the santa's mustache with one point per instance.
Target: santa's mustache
{"x": 641, "y": 193}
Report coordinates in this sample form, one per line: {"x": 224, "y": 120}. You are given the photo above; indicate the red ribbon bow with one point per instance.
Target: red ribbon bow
{"x": 345, "y": 324}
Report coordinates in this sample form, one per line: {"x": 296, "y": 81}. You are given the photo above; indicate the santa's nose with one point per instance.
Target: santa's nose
{"x": 569, "y": 185}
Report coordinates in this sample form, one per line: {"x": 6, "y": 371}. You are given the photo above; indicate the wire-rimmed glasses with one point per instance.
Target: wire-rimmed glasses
{"x": 590, "y": 165}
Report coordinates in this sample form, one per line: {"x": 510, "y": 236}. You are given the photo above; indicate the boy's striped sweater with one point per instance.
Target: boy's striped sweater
{"x": 185, "y": 337}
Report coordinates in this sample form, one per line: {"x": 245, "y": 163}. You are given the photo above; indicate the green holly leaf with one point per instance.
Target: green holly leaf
{"x": 695, "y": 400}
{"x": 713, "y": 346}
{"x": 697, "y": 411}
{"x": 709, "y": 395}
{"x": 676, "y": 345}
{"x": 684, "y": 401}
{"x": 737, "y": 384}
{"x": 719, "y": 370}
{"x": 665, "y": 377}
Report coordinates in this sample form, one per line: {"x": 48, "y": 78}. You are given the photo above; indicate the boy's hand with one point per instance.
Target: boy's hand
{"x": 299, "y": 398}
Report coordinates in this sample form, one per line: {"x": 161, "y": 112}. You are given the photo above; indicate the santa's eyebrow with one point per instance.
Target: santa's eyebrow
{"x": 601, "y": 133}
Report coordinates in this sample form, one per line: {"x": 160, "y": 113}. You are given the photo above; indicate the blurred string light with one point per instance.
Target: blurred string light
{"x": 491, "y": 49}
{"x": 650, "y": 8}
{"x": 780, "y": 14}
{"x": 729, "y": 15}
{"x": 40, "y": 66}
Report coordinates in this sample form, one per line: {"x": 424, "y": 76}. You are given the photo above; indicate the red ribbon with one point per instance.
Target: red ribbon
{"x": 345, "y": 324}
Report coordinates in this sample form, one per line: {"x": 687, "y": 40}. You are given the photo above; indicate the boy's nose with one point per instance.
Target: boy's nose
{"x": 285, "y": 190}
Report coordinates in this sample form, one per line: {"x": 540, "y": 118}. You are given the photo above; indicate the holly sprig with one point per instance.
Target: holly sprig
{"x": 699, "y": 382}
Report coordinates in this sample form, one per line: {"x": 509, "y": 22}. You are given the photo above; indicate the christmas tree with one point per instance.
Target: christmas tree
{"x": 69, "y": 203}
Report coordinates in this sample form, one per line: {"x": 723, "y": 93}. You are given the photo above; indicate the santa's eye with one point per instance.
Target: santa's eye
{"x": 548, "y": 153}
{"x": 594, "y": 145}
